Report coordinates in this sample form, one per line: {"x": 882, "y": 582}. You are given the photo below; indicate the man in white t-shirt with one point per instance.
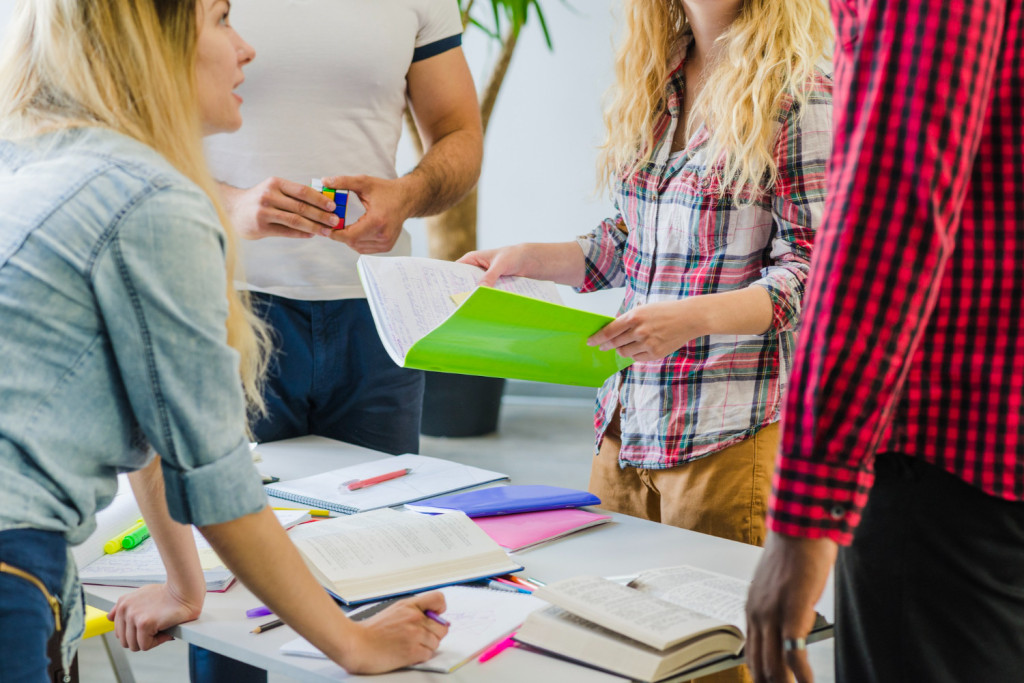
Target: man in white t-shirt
{"x": 326, "y": 100}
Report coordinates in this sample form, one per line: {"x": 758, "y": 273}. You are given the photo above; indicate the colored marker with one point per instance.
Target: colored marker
{"x": 134, "y": 538}
{"x": 434, "y": 616}
{"x": 511, "y": 587}
{"x": 357, "y": 484}
{"x": 496, "y": 649}
{"x": 513, "y": 584}
{"x": 521, "y": 582}
{"x": 114, "y": 544}
{"x": 313, "y": 513}
{"x": 260, "y": 611}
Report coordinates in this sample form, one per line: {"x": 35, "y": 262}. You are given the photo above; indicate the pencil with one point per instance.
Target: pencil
{"x": 267, "y": 626}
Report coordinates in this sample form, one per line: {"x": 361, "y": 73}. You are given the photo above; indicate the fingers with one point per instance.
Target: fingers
{"x": 360, "y": 184}
{"x": 800, "y": 665}
{"x": 307, "y": 195}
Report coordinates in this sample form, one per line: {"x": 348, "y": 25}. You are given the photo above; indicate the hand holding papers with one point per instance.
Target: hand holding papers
{"x": 519, "y": 330}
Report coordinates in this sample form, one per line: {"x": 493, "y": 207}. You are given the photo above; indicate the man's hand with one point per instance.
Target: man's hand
{"x": 788, "y": 582}
{"x": 387, "y": 208}
{"x": 399, "y": 636}
{"x": 140, "y": 617}
{"x": 278, "y": 208}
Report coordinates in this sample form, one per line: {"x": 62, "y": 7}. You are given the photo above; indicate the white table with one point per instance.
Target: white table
{"x": 627, "y": 545}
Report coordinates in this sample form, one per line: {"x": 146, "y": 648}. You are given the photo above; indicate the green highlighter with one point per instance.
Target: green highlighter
{"x": 134, "y": 538}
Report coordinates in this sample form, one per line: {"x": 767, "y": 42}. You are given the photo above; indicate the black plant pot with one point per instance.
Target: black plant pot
{"x": 460, "y": 405}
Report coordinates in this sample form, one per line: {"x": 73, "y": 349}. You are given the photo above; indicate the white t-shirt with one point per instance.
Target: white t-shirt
{"x": 324, "y": 96}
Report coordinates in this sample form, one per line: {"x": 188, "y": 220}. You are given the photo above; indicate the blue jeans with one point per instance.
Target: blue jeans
{"x": 26, "y": 620}
{"x": 330, "y": 376}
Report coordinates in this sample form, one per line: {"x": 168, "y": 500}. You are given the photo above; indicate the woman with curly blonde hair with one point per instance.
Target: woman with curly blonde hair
{"x": 718, "y": 129}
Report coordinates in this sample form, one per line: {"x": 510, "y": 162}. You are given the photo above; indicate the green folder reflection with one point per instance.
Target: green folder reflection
{"x": 500, "y": 334}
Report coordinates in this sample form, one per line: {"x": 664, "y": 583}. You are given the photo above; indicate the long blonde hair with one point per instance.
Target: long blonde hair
{"x": 767, "y": 55}
{"x": 129, "y": 66}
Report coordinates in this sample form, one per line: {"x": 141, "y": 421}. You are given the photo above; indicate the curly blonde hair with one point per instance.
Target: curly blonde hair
{"x": 767, "y": 55}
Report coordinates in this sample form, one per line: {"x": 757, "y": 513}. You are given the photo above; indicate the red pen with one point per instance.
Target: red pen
{"x": 363, "y": 483}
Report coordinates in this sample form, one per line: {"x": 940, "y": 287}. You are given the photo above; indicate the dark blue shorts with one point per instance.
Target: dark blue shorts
{"x": 330, "y": 376}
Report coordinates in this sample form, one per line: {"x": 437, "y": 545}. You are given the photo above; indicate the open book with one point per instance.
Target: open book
{"x": 142, "y": 565}
{"x": 478, "y": 618}
{"x": 385, "y": 552}
{"x": 519, "y": 330}
{"x": 664, "y": 622}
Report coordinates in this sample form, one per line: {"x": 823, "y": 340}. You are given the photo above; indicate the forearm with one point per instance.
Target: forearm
{"x": 448, "y": 171}
{"x": 744, "y": 311}
{"x": 560, "y": 262}
{"x": 259, "y": 552}
{"x": 174, "y": 541}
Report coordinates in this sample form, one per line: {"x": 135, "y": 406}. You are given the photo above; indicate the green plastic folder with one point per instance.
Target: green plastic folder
{"x": 501, "y": 334}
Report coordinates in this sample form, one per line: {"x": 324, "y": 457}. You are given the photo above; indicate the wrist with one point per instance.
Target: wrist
{"x": 701, "y": 317}
{"x": 413, "y": 191}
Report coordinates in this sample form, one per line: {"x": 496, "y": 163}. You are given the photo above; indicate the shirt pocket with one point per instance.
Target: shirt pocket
{"x": 710, "y": 227}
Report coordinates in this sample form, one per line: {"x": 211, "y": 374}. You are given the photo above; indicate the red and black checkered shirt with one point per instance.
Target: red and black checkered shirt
{"x": 913, "y": 337}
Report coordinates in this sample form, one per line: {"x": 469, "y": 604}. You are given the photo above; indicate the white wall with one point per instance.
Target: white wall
{"x": 537, "y": 183}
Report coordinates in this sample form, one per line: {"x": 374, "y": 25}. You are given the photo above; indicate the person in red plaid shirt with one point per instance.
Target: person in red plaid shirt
{"x": 908, "y": 382}
{"x": 716, "y": 211}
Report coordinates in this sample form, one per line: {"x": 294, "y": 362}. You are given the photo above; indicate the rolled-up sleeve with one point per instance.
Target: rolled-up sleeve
{"x": 802, "y": 150}
{"x": 603, "y": 248}
{"x": 160, "y": 284}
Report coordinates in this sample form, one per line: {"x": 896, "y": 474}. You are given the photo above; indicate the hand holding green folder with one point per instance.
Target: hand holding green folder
{"x": 493, "y": 333}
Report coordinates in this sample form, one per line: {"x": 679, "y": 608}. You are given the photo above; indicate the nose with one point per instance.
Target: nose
{"x": 246, "y": 53}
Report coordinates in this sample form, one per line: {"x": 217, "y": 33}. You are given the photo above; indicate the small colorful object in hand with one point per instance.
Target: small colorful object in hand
{"x": 339, "y": 197}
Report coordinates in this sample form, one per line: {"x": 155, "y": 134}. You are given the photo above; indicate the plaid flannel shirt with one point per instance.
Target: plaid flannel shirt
{"x": 673, "y": 237}
{"x": 913, "y": 339}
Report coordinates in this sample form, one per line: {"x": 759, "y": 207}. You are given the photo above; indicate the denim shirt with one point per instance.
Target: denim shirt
{"x": 112, "y": 337}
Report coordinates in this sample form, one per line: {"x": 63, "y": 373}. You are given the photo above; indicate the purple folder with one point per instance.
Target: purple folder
{"x": 505, "y": 500}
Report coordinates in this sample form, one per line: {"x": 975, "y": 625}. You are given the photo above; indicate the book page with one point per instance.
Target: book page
{"x": 707, "y": 592}
{"x": 640, "y": 616}
{"x": 411, "y": 296}
{"x": 372, "y": 544}
{"x": 479, "y": 617}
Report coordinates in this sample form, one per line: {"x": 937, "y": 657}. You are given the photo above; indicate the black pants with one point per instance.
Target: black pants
{"x": 932, "y": 588}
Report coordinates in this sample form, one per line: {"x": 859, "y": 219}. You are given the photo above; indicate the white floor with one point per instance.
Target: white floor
{"x": 538, "y": 441}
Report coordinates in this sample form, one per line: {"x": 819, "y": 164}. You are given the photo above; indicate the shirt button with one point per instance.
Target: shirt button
{"x": 837, "y": 512}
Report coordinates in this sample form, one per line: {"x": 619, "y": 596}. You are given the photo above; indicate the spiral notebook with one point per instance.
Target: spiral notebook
{"x": 427, "y": 477}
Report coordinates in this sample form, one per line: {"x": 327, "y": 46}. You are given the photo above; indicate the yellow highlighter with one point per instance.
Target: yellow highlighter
{"x": 312, "y": 513}
{"x": 114, "y": 544}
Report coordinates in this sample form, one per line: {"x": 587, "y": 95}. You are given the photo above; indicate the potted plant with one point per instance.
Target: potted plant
{"x": 464, "y": 405}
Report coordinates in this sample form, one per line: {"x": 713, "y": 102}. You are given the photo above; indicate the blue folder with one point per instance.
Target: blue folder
{"x": 507, "y": 500}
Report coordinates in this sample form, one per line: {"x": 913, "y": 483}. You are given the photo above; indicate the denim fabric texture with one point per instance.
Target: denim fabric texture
{"x": 113, "y": 339}
{"x": 26, "y": 619}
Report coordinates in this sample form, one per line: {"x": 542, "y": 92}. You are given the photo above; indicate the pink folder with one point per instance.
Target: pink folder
{"x": 525, "y": 529}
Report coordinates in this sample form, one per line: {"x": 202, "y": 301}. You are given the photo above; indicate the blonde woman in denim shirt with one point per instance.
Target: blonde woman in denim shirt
{"x": 718, "y": 132}
{"x": 121, "y": 334}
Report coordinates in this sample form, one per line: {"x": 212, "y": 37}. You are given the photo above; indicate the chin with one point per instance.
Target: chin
{"x": 222, "y": 126}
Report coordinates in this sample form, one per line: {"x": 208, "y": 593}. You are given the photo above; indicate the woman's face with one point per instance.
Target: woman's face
{"x": 221, "y": 54}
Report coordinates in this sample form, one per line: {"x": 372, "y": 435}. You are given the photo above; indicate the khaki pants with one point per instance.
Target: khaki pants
{"x": 724, "y": 494}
